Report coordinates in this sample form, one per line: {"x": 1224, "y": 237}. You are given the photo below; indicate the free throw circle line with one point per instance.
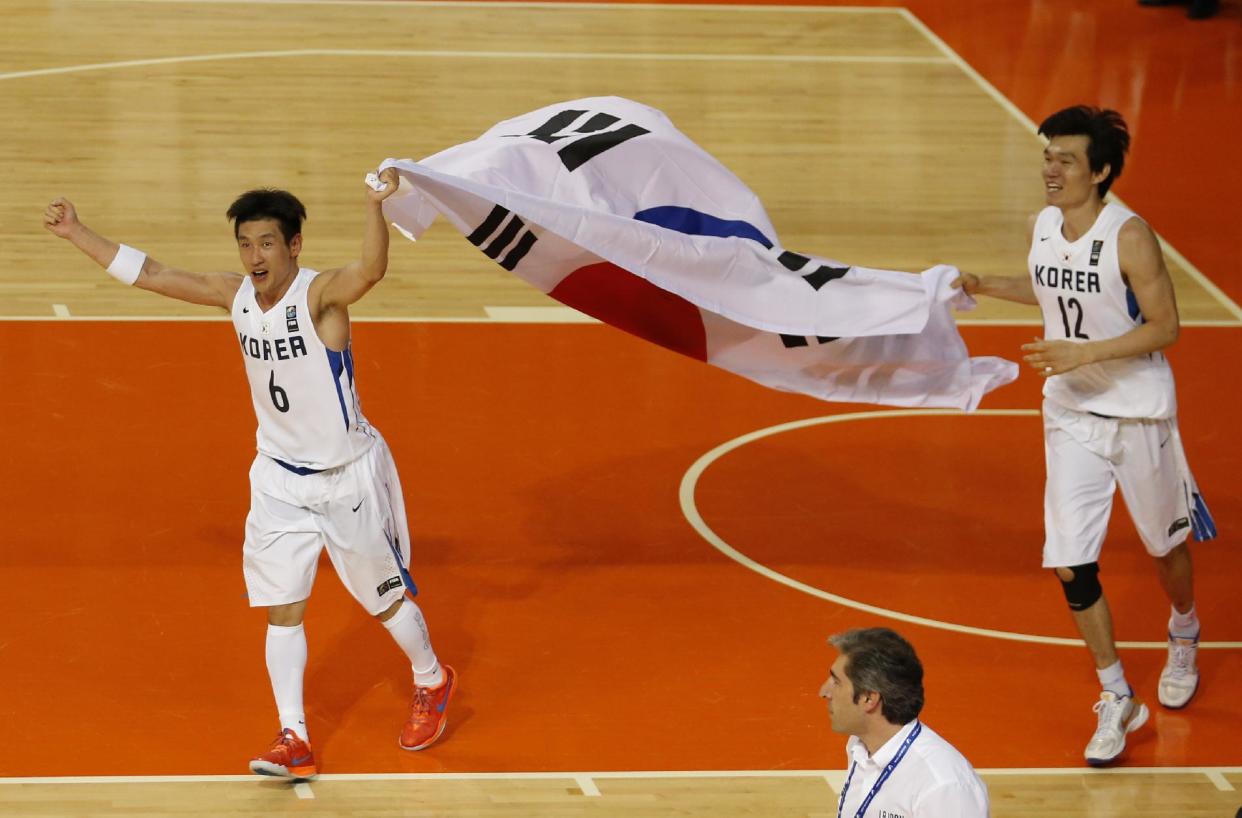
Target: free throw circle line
{"x": 690, "y": 479}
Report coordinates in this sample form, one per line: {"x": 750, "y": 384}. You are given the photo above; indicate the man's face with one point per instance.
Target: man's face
{"x": 1068, "y": 180}
{"x": 269, "y": 260}
{"x": 846, "y": 714}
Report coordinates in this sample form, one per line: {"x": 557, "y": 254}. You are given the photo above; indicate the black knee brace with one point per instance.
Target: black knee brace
{"x": 1084, "y": 589}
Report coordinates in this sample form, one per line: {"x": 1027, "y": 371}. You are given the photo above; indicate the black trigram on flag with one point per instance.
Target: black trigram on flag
{"x": 584, "y": 148}
{"x": 817, "y": 278}
{"x": 503, "y": 231}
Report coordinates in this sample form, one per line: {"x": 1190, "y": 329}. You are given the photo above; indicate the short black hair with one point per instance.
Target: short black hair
{"x": 1108, "y": 138}
{"x": 268, "y": 203}
{"x": 879, "y": 660}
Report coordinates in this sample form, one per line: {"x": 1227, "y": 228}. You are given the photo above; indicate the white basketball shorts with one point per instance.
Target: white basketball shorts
{"x": 356, "y": 511}
{"x": 1087, "y": 458}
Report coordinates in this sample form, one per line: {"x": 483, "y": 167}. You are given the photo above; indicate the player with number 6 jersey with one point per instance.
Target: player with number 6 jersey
{"x": 303, "y": 391}
{"x": 323, "y": 477}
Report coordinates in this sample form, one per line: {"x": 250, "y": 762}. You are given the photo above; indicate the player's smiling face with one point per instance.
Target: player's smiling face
{"x": 269, "y": 260}
{"x": 1068, "y": 180}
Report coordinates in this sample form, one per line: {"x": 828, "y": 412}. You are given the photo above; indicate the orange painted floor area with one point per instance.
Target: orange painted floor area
{"x": 593, "y": 629}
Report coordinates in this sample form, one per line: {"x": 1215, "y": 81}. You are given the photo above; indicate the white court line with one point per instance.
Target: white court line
{"x": 579, "y": 777}
{"x": 361, "y": 319}
{"x": 1217, "y": 778}
{"x": 121, "y": 318}
{"x": 1064, "y": 771}
{"x": 498, "y": 315}
{"x": 60, "y": 310}
{"x": 688, "y": 508}
{"x": 538, "y": 315}
{"x": 1203, "y": 281}
{"x": 1014, "y": 322}
{"x": 391, "y": 5}
{"x": 303, "y": 790}
{"x": 356, "y": 319}
{"x": 610, "y": 56}
{"x": 835, "y": 778}
{"x": 587, "y": 784}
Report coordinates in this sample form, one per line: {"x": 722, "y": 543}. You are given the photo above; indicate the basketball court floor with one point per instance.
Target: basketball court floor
{"x": 632, "y": 559}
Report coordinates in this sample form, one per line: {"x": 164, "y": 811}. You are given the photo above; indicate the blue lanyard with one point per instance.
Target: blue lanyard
{"x": 879, "y": 782}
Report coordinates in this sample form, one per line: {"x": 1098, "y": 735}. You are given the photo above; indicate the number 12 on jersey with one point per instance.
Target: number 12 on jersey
{"x": 1073, "y": 305}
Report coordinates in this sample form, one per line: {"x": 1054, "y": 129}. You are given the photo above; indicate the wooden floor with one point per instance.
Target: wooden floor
{"x": 868, "y": 141}
{"x": 1156, "y": 794}
{"x": 596, "y": 632}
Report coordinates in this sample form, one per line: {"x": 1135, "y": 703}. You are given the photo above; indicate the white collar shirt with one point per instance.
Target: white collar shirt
{"x": 932, "y": 780}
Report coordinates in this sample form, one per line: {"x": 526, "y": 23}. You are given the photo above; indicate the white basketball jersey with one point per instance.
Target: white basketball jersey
{"x": 303, "y": 393}
{"x": 1084, "y": 297}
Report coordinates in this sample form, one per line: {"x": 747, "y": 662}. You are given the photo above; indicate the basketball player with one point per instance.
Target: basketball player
{"x": 1110, "y": 410}
{"x": 898, "y": 766}
{"x": 323, "y": 475}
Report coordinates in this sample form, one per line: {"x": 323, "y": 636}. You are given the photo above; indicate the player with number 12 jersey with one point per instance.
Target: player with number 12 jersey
{"x": 1083, "y": 295}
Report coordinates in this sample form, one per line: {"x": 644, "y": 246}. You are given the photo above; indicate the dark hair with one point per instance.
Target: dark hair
{"x": 879, "y": 660}
{"x": 268, "y": 203}
{"x": 1108, "y": 138}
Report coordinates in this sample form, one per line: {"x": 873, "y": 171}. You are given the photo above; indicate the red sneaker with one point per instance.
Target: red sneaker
{"x": 427, "y": 713}
{"x": 289, "y": 757}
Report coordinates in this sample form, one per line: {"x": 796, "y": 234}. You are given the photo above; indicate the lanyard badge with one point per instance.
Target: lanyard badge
{"x": 879, "y": 782}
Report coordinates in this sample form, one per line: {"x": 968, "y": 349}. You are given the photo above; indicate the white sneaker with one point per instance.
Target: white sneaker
{"x": 1118, "y": 715}
{"x": 1180, "y": 678}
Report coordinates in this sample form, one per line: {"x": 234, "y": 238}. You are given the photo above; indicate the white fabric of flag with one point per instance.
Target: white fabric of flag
{"x": 604, "y": 205}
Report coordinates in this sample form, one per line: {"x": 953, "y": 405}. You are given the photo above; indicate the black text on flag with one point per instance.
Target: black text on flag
{"x": 818, "y": 277}
{"x": 585, "y": 148}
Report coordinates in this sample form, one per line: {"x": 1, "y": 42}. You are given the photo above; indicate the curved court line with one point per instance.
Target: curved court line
{"x": 688, "y": 508}
{"x": 611, "y": 56}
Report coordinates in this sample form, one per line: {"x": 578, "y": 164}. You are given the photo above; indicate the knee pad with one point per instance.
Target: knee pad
{"x": 1084, "y": 589}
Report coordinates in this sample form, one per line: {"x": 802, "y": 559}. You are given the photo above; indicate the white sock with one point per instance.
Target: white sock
{"x": 286, "y": 664}
{"x": 1184, "y": 625}
{"x": 1113, "y": 679}
{"x": 409, "y": 631}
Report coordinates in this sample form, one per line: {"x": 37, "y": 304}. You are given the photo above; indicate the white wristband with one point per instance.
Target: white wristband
{"x": 127, "y": 265}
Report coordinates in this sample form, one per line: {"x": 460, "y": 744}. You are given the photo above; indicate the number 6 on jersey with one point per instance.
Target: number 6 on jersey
{"x": 280, "y": 399}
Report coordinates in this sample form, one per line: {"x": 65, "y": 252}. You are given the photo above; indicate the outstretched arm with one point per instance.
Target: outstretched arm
{"x": 339, "y": 288}
{"x": 209, "y": 289}
{"x": 1007, "y": 288}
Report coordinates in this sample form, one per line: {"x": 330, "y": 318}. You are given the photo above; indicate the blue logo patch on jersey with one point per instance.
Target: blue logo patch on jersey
{"x": 291, "y": 318}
